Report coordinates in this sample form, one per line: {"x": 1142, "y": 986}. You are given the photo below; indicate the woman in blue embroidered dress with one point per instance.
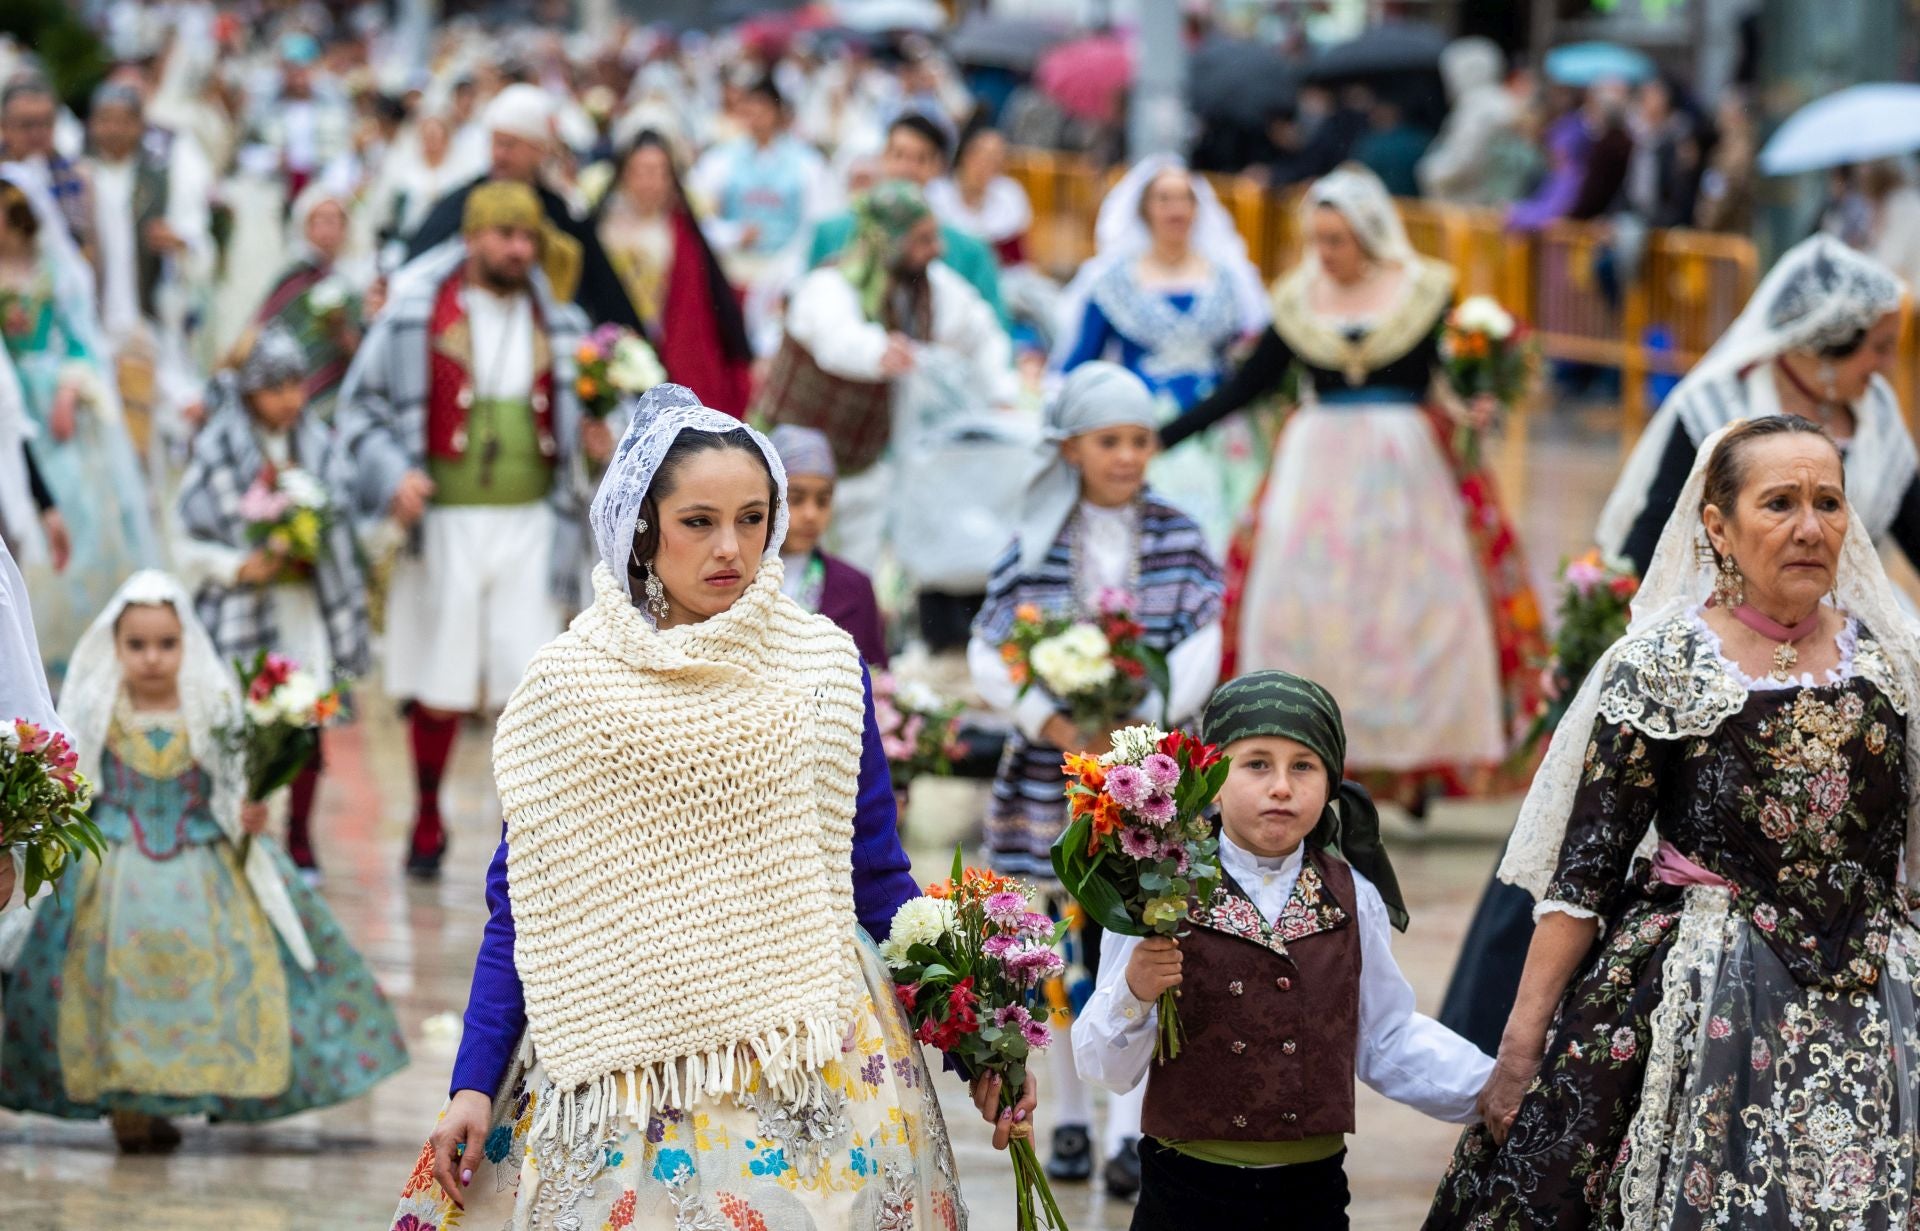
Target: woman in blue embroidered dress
{"x": 1168, "y": 295}
{"x": 170, "y": 978}
{"x": 1716, "y": 1024}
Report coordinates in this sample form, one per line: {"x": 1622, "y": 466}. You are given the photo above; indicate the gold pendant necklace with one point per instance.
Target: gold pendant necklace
{"x": 1784, "y": 659}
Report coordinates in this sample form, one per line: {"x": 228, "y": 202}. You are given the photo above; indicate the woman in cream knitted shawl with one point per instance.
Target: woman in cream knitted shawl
{"x": 678, "y": 1018}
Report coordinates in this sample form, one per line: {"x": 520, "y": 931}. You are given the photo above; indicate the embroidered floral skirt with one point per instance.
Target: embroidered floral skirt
{"x": 878, "y": 1159}
{"x": 1690, "y": 1082}
{"x": 158, "y": 986}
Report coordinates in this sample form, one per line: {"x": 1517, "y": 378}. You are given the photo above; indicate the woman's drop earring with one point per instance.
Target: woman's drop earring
{"x": 1730, "y": 587}
{"x": 656, "y": 595}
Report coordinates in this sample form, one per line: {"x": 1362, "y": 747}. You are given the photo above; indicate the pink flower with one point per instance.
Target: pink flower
{"x": 999, "y": 944}
{"x": 262, "y": 503}
{"x": 1139, "y": 844}
{"x": 1033, "y": 923}
{"x": 1624, "y": 1044}
{"x": 1584, "y": 575}
{"x": 885, "y": 716}
{"x": 1161, "y": 770}
{"x": 1031, "y": 965}
{"x": 1012, "y": 1015}
{"x": 1006, "y": 909}
{"x": 912, "y": 730}
{"x": 1765, "y": 917}
{"x": 1829, "y": 792}
{"x": 1112, "y": 600}
{"x": 1176, "y": 850}
{"x": 1718, "y": 1027}
{"x": 1037, "y": 1035}
{"x": 1129, "y": 787}
{"x": 1762, "y": 1055}
{"x": 896, "y": 749}
{"x": 1158, "y": 810}
{"x": 32, "y": 739}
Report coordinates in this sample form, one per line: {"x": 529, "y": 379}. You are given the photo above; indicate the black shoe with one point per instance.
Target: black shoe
{"x": 426, "y": 867}
{"x": 1122, "y": 1172}
{"x": 1072, "y": 1161}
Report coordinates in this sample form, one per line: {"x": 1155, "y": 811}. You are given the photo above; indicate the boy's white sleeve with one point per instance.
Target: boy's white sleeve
{"x": 1113, "y": 1036}
{"x": 1405, "y": 1055}
{"x": 996, "y": 687}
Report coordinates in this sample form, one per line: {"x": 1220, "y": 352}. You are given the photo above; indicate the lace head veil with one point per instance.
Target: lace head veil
{"x": 209, "y": 704}
{"x": 1120, "y": 235}
{"x": 1679, "y": 580}
{"x": 661, "y": 415}
{"x": 1363, "y": 201}
{"x": 1820, "y": 293}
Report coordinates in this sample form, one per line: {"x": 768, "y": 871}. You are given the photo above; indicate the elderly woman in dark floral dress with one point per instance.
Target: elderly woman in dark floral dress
{"x": 1716, "y": 1026}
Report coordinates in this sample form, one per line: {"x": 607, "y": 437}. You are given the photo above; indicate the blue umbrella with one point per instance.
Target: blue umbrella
{"x": 1582, "y": 64}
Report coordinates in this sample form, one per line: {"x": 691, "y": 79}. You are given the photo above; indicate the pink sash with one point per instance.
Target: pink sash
{"x": 1670, "y": 867}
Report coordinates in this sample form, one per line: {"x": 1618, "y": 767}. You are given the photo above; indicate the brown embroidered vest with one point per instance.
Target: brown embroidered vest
{"x": 1271, "y": 1016}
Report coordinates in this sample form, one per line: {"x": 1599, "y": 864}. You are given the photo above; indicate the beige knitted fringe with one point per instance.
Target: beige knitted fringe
{"x": 787, "y": 1062}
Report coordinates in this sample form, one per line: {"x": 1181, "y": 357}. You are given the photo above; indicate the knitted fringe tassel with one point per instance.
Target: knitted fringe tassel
{"x": 786, "y": 1062}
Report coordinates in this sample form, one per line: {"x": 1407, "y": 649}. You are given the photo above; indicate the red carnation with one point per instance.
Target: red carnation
{"x": 908, "y": 994}
{"x": 1624, "y": 587}
{"x": 1132, "y": 668}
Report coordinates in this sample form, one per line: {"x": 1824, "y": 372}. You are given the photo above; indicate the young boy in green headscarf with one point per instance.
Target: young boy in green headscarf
{"x": 1288, "y": 988}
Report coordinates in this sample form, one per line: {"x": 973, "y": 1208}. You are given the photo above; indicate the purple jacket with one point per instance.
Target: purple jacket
{"x": 846, "y": 598}
{"x": 496, "y": 1009}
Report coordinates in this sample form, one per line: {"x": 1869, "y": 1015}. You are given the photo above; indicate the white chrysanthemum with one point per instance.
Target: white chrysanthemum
{"x": 1132, "y": 745}
{"x": 1483, "y": 314}
{"x": 915, "y": 696}
{"x": 297, "y": 697}
{"x": 302, "y": 488}
{"x": 919, "y": 921}
{"x": 634, "y": 367}
{"x": 1074, "y": 661}
{"x": 263, "y": 713}
{"x": 329, "y": 295}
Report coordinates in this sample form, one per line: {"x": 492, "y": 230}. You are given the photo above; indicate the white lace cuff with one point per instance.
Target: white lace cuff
{"x": 1555, "y": 906}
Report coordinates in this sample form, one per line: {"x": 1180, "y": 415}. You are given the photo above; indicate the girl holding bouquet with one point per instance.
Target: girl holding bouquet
{"x": 1288, "y": 988}
{"x": 169, "y": 979}
{"x": 272, "y": 560}
{"x": 678, "y": 1018}
{"x": 1089, "y": 524}
{"x": 1376, "y": 557}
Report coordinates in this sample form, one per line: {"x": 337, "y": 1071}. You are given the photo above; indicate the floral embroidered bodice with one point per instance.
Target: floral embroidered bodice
{"x": 1795, "y": 794}
{"x": 1309, "y": 909}
{"x": 152, "y": 793}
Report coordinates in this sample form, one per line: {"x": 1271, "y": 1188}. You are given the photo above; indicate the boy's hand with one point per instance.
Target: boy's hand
{"x": 1154, "y": 967}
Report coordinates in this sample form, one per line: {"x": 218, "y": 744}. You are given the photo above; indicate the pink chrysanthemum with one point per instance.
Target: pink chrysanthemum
{"x": 1005, "y": 909}
{"x": 1012, "y": 1015}
{"x": 999, "y": 944}
{"x": 1033, "y": 923}
{"x": 1037, "y": 1034}
{"x": 1157, "y": 810}
{"x": 1129, "y": 787}
{"x": 1161, "y": 770}
{"x": 1139, "y": 844}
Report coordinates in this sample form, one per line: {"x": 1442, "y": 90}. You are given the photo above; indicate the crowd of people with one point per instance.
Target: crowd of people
{"x": 275, "y": 261}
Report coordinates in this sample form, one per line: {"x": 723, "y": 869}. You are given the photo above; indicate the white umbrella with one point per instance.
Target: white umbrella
{"x": 880, "y": 16}
{"x": 1857, "y": 124}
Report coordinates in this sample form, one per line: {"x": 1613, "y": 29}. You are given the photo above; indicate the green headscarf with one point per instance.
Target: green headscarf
{"x": 882, "y": 219}
{"x": 1281, "y": 704}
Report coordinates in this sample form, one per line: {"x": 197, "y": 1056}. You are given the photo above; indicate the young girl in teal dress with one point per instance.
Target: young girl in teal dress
{"x": 168, "y": 979}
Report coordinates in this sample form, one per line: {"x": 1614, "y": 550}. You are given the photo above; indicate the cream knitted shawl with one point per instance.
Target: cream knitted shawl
{"x": 679, "y": 811}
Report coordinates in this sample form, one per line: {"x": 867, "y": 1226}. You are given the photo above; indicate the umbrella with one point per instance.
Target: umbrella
{"x": 1582, "y": 64}
{"x": 1394, "y": 47}
{"x": 1857, "y": 124}
{"x": 1242, "y": 82}
{"x": 1015, "y": 43}
{"x": 880, "y": 16}
{"x": 1086, "y": 76}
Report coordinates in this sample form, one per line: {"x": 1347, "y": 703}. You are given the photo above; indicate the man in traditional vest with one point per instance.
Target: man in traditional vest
{"x": 460, "y": 415}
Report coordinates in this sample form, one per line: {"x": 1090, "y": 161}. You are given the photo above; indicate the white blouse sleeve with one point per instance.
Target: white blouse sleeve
{"x": 1113, "y": 1036}
{"x": 825, "y": 318}
{"x": 1406, "y": 1055}
{"x": 1193, "y": 668}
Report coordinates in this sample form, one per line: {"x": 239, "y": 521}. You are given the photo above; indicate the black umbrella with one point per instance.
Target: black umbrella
{"x": 1240, "y": 82}
{"x": 1395, "y": 47}
{"x": 1015, "y": 43}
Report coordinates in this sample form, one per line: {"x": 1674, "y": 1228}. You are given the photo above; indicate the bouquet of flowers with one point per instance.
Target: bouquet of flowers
{"x": 1485, "y": 351}
{"x": 968, "y": 960}
{"x": 279, "y": 731}
{"x": 43, "y": 803}
{"x": 919, "y": 728}
{"x": 1099, "y": 668}
{"x": 287, "y": 512}
{"x": 1595, "y": 598}
{"x": 328, "y": 301}
{"x": 1139, "y": 850}
{"x": 614, "y": 362}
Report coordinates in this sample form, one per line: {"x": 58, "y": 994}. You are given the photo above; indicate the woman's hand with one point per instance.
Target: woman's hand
{"x": 457, "y": 1142}
{"x": 1483, "y": 412}
{"x": 65, "y": 419}
{"x": 1010, "y": 1122}
{"x": 1499, "y": 1101}
{"x": 1153, "y": 968}
{"x": 253, "y": 818}
{"x": 259, "y": 568}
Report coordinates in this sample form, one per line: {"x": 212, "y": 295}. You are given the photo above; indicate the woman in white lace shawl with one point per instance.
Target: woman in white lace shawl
{"x": 1716, "y": 1026}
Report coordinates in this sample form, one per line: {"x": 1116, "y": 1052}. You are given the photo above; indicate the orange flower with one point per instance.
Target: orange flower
{"x": 1027, "y": 613}
{"x": 1009, "y": 653}
{"x": 1091, "y": 773}
{"x": 327, "y": 707}
{"x": 586, "y": 387}
{"x": 940, "y": 889}
{"x": 586, "y": 353}
{"x": 1017, "y": 672}
{"x": 1107, "y": 818}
